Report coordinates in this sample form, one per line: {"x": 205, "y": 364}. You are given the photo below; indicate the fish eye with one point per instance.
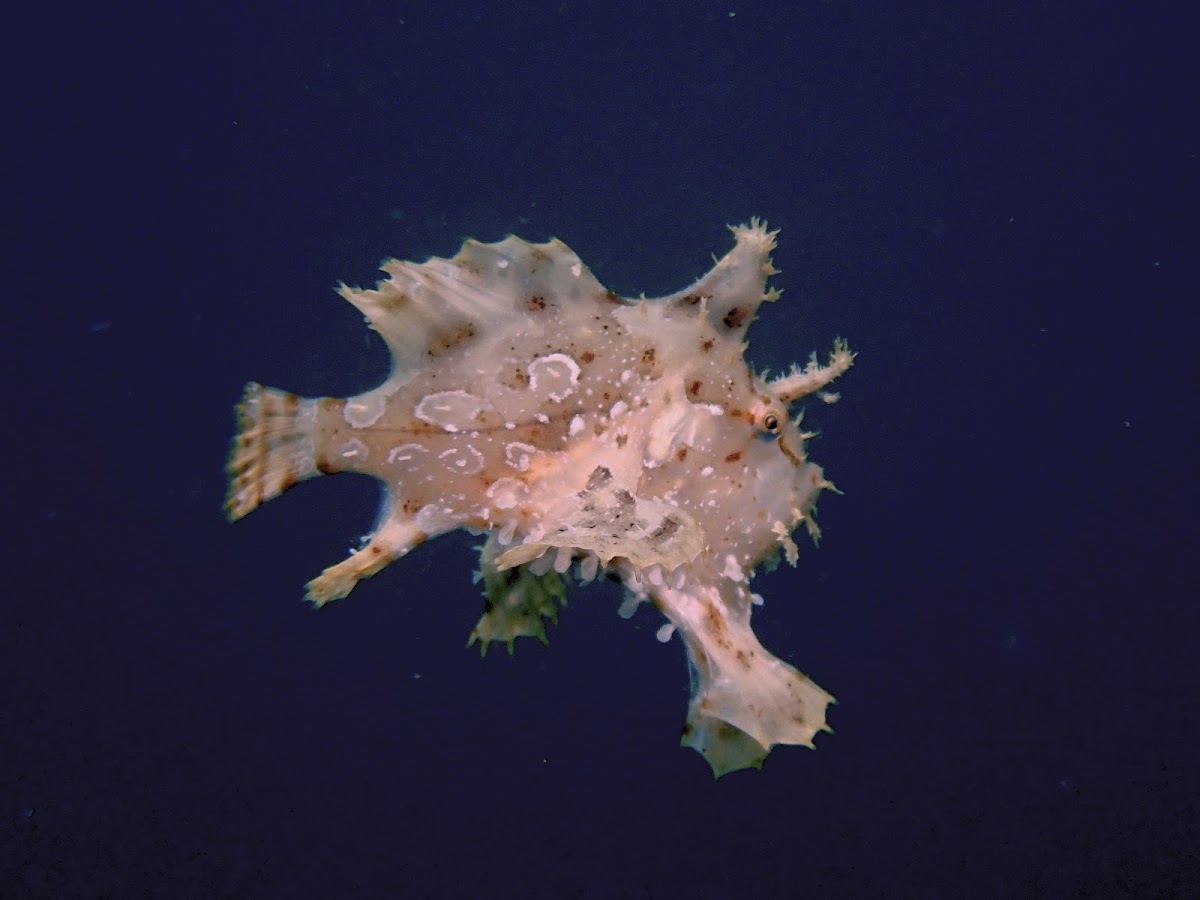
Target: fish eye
{"x": 770, "y": 423}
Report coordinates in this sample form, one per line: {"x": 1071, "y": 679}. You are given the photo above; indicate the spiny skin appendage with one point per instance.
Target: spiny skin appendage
{"x": 515, "y": 602}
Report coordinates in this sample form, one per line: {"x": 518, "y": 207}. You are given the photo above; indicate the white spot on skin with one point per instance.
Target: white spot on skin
{"x": 518, "y": 455}
{"x": 364, "y": 411}
{"x": 353, "y": 449}
{"x": 577, "y": 269}
{"x": 554, "y": 376}
{"x": 405, "y": 453}
{"x": 450, "y": 410}
{"x": 576, "y": 426}
{"x": 464, "y": 460}
{"x": 706, "y": 471}
{"x": 505, "y": 493}
{"x": 618, "y": 409}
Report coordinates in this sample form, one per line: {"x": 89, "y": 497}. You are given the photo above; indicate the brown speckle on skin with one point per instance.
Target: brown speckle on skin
{"x": 445, "y": 341}
{"x": 734, "y": 456}
{"x": 735, "y": 318}
{"x": 535, "y": 303}
{"x": 537, "y": 258}
{"x": 707, "y": 344}
{"x": 392, "y": 300}
{"x": 648, "y": 355}
{"x": 416, "y": 428}
{"x": 666, "y": 529}
{"x": 735, "y": 413}
{"x": 587, "y": 356}
{"x": 694, "y": 388}
{"x": 622, "y": 440}
{"x": 716, "y": 627}
{"x": 689, "y": 300}
{"x": 681, "y": 454}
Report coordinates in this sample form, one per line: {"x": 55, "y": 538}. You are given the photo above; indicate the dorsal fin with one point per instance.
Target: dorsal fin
{"x": 733, "y": 289}
{"x": 426, "y": 310}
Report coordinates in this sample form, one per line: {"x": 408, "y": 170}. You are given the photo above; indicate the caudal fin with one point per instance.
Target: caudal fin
{"x": 272, "y": 450}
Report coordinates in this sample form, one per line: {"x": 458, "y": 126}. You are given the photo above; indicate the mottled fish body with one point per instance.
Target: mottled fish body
{"x": 584, "y": 434}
